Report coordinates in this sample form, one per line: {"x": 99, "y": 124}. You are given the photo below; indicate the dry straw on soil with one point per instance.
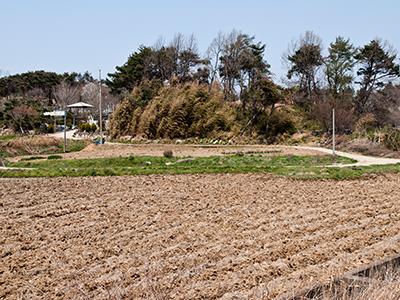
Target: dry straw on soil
{"x": 31, "y": 145}
{"x": 189, "y": 237}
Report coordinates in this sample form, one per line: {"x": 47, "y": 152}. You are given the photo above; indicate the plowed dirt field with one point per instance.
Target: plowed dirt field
{"x": 229, "y": 236}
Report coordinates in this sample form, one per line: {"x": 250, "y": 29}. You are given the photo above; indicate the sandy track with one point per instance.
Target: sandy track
{"x": 362, "y": 160}
{"x": 189, "y": 237}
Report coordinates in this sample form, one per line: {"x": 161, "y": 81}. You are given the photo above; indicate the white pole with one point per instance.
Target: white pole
{"x": 100, "y": 111}
{"x": 65, "y": 131}
{"x": 333, "y": 132}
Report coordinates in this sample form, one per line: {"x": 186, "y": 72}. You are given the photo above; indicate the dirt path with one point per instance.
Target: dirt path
{"x": 69, "y": 134}
{"x": 12, "y": 168}
{"x": 362, "y": 160}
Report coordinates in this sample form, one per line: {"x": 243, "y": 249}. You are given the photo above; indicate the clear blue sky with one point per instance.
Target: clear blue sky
{"x": 80, "y": 35}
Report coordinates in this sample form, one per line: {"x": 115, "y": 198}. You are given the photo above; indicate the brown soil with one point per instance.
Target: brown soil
{"x": 116, "y": 150}
{"x": 113, "y": 150}
{"x": 188, "y": 237}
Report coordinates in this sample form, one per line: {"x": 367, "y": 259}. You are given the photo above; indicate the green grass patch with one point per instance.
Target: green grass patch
{"x": 294, "y": 166}
{"x": 3, "y": 154}
{"x": 73, "y": 145}
{"x": 8, "y": 137}
{"x": 31, "y": 158}
{"x": 51, "y": 157}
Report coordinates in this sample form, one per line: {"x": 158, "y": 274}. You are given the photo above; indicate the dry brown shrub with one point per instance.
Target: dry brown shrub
{"x": 379, "y": 285}
{"x": 178, "y": 111}
{"x": 392, "y": 139}
{"x": 365, "y": 122}
{"x": 375, "y": 290}
{"x": 121, "y": 118}
{"x": 344, "y": 115}
{"x": 168, "y": 154}
{"x": 31, "y": 145}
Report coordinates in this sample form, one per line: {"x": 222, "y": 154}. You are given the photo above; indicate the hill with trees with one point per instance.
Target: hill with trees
{"x": 172, "y": 91}
{"x": 24, "y": 97}
{"x": 361, "y": 83}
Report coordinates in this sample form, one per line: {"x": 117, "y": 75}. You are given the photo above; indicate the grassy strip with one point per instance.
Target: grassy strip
{"x": 8, "y": 137}
{"x": 337, "y": 173}
{"x": 297, "y": 166}
{"x": 72, "y": 146}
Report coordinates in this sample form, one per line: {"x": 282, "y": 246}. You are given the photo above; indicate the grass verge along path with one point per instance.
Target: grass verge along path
{"x": 294, "y": 166}
{"x": 302, "y": 167}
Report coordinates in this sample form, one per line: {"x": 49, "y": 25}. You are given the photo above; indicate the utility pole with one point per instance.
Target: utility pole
{"x": 100, "y": 111}
{"x": 65, "y": 131}
{"x": 333, "y": 132}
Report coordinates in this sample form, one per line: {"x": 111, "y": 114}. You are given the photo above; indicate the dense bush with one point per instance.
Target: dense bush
{"x": 86, "y": 127}
{"x": 272, "y": 126}
{"x": 22, "y": 115}
{"x": 168, "y": 154}
{"x": 127, "y": 113}
{"x": 181, "y": 111}
{"x": 50, "y": 128}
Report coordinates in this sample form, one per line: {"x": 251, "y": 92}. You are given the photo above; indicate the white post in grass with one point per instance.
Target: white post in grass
{"x": 65, "y": 131}
{"x": 100, "y": 111}
{"x": 333, "y": 132}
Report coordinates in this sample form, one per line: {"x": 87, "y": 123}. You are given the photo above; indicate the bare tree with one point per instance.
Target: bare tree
{"x": 36, "y": 93}
{"x": 191, "y": 44}
{"x": 177, "y": 45}
{"x": 177, "y": 59}
{"x": 159, "y": 44}
{"x": 214, "y": 53}
{"x": 90, "y": 94}
{"x": 385, "y": 105}
{"x": 66, "y": 94}
{"x": 229, "y": 67}
{"x": 23, "y": 114}
{"x": 109, "y": 101}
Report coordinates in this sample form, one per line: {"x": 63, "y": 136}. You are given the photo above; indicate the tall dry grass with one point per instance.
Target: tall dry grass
{"x": 181, "y": 111}
{"x": 379, "y": 286}
{"x": 27, "y": 145}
